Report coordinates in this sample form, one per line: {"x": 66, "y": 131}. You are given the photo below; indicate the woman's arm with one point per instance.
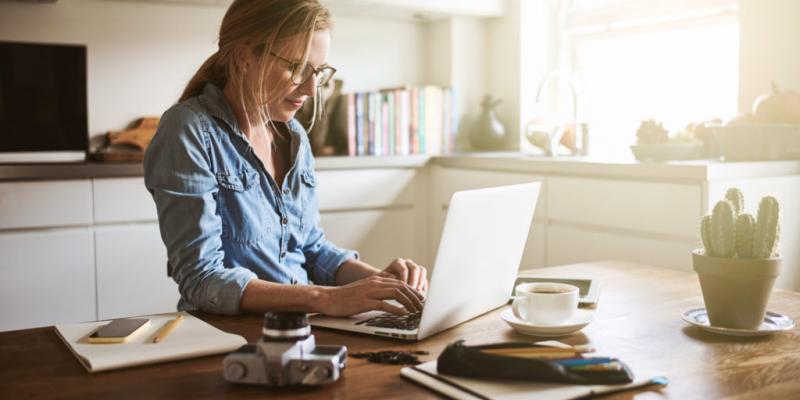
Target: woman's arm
{"x": 362, "y": 295}
{"x": 179, "y": 177}
{"x": 403, "y": 269}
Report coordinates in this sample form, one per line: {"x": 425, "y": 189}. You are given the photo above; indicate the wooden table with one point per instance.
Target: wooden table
{"x": 637, "y": 320}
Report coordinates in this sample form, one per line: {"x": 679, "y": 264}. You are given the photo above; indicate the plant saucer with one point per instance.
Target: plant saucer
{"x": 773, "y": 323}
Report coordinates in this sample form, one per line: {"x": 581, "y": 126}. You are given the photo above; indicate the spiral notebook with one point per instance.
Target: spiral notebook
{"x": 192, "y": 338}
{"x": 474, "y": 389}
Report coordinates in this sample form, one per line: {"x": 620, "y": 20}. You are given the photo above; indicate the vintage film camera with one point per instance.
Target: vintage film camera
{"x": 286, "y": 355}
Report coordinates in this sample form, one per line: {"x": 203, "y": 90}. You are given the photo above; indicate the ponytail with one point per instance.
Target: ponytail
{"x": 212, "y": 71}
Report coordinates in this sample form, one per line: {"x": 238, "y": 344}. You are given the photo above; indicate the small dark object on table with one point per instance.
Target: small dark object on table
{"x": 392, "y": 356}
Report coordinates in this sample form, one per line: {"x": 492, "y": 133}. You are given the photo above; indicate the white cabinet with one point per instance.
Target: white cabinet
{"x": 45, "y": 203}
{"x": 380, "y": 212}
{"x": 368, "y": 188}
{"x": 664, "y": 208}
{"x": 379, "y": 235}
{"x": 131, "y": 258}
{"x": 132, "y": 272}
{"x": 446, "y": 181}
{"x": 46, "y": 277}
{"x": 122, "y": 200}
{"x": 568, "y": 244}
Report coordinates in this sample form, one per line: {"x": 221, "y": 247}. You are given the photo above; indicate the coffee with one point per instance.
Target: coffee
{"x": 545, "y": 303}
{"x": 550, "y": 289}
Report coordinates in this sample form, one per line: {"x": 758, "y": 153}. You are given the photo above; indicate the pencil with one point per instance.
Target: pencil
{"x": 168, "y": 328}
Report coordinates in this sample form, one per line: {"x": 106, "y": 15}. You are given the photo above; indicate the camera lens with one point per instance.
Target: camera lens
{"x": 285, "y": 326}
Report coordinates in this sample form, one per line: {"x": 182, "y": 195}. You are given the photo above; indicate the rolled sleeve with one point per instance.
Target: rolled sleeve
{"x": 324, "y": 258}
{"x": 178, "y": 176}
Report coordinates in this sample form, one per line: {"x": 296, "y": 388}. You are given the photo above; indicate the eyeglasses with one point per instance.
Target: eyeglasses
{"x": 302, "y": 73}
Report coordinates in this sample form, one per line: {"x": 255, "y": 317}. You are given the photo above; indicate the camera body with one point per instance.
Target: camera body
{"x": 286, "y": 355}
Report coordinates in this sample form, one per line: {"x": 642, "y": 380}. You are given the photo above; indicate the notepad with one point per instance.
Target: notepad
{"x": 193, "y": 338}
{"x": 470, "y": 389}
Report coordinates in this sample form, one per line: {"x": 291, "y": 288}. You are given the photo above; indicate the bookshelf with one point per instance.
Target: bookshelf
{"x": 380, "y": 45}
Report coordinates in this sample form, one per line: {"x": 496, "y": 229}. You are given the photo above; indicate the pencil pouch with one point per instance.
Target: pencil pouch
{"x": 471, "y": 362}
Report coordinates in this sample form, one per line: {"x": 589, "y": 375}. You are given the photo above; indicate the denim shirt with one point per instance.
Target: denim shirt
{"x": 223, "y": 218}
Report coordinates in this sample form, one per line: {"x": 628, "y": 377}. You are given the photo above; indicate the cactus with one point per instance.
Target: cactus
{"x": 734, "y": 195}
{"x": 766, "y": 231}
{"x": 705, "y": 234}
{"x": 744, "y": 235}
{"x": 729, "y": 232}
{"x": 723, "y": 233}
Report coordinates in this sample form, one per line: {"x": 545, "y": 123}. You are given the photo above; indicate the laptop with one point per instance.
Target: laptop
{"x": 476, "y": 265}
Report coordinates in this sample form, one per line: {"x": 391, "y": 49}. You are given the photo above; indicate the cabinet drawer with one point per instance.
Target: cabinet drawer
{"x": 666, "y": 208}
{"x": 122, "y": 200}
{"x": 448, "y": 181}
{"x": 534, "y": 254}
{"x": 379, "y": 236}
{"x": 46, "y": 278}
{"x": 568, "y": 245}
{"x": 132, "y": 272}
{"x": 374, "y": 188}
{"x": 45, "y": 204}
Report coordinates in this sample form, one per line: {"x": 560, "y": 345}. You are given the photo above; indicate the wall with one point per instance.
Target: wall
{"x": 521, "y": 51}
{"x": 140, "y": 55}
{"x": 770, "y": 47}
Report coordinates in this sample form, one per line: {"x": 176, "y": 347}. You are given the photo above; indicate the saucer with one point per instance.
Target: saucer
{"x": 773, "y": 323}
{"x": 572, "y": 325}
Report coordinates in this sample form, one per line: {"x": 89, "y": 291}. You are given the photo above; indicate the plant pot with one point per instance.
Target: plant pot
{"x": 736, "y": 291}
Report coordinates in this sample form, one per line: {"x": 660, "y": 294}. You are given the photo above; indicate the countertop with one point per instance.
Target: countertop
{"x": 695, "y": 170}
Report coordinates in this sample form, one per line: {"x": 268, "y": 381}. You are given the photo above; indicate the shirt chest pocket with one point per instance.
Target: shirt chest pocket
{"x": 308, "y": 198}
{"x": 242, "y": 206}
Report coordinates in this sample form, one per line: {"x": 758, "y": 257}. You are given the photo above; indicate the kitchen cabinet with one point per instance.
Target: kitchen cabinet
{"x": 45, "y": 203}
{"x": 380, "y": 236}
{"x": 446, "y": 181}
{"x": 92, "y": 247}
{"x": 573, "y": 244}
{"x": 131, "y": 263}
{"x": 626, "y": 204}
{"x": 88, "y": 248}
{"x": 46, "y": 277}
{"x": 122, "y": 200}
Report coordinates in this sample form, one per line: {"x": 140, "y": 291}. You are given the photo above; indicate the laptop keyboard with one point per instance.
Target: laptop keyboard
{"x": 408, "y": 321}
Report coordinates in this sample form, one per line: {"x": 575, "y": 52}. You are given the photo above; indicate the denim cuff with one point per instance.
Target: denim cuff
{"x": 329, "y": 259}
{"x": 223, "y": 293}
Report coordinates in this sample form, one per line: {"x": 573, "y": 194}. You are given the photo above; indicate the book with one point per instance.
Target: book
{"x": 470, "y": 389}
{"x": 193, "y": 338}
{"x": 399, "y": 121}
{"x": 351, "y": 124}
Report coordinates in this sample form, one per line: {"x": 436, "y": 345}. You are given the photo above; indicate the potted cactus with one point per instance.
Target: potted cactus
{"x": 738, "y": 263}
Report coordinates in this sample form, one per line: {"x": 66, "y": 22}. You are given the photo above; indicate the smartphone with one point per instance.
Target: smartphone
{"x": 118, "y": 330}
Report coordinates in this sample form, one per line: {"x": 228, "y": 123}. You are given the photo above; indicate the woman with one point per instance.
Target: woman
{"x": 232, "y": 176}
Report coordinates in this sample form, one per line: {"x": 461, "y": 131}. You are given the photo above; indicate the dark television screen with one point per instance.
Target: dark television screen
{"x": 42, "y": 97}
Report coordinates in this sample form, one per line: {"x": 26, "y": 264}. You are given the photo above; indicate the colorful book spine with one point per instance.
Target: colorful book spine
{"x": 413, "y": 133}
{"x": 361, "y": 126}
{"x": 400, "y": 121}
{"x": 351, "y": 124}
{"x": 372, "y": 107}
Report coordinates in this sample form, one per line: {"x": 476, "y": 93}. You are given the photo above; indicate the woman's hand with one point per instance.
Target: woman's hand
{"x": 409, "y": 272}
{"x": 369, "y": 294}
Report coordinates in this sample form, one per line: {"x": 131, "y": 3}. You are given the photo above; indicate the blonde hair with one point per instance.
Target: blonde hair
{"x": 259, "y": 25}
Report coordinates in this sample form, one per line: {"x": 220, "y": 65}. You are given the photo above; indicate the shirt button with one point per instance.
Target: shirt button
{"x": 285, "y": 220}
{"x": 283, "y": 255}
{"x": 286, "y": 191}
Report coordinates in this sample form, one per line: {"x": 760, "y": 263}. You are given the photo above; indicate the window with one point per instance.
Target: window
{"x": 674, "y": 61}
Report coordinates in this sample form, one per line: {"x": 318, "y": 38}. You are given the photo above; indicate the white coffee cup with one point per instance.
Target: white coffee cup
{"x": 545, "y": 303}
